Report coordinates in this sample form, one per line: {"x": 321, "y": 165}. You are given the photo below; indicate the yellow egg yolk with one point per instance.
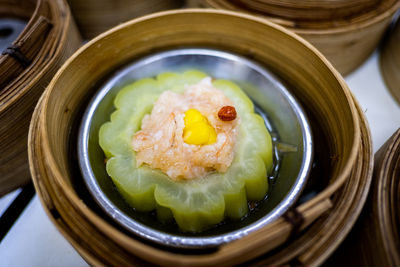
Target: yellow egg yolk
{"x": 198, "y": 130}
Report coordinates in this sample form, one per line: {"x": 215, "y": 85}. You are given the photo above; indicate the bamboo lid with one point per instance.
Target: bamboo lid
{"x": 343, "y": 154}
{"x": 26, "y": 67}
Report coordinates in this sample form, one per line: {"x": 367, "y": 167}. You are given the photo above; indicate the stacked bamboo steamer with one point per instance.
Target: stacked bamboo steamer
{"x": 390, "y": 61}
{"x": 96, "y": 16}
{"x": 378, "y": 229}
{"x": 343, "y": 155}
{"x": 26, "y": 67}
{"x": 346, "y": 32}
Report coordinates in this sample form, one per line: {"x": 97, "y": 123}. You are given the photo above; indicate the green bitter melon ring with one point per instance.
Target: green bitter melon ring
{"x": 194, "y": 204}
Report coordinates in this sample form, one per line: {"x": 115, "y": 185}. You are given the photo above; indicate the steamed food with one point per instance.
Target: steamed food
{"x": 189, "y": 147}
{"x": 183, "y": 136}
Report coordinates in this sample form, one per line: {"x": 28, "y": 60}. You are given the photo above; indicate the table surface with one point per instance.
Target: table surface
{"x": 34, "y": 240}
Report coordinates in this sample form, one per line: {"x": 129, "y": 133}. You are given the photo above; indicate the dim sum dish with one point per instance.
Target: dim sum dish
{"x": 187, "y": 147}
{"x": 316, "y": 186}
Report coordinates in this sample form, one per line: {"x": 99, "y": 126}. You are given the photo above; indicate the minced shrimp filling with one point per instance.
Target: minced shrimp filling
{"x": 160, "y": 142}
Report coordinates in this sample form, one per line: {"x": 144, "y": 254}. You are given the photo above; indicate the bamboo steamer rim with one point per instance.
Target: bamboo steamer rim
{"x": 378, "y": 228}
{"x": 45, "y": 205}
{"x": 353, "y": 154}
{"x": 359, "y": 24}
{"x": 326, "y": 193}
{"x": 348, "y": 43}
{"x": 308, "y": 9}
{"x": 383, "y": 197}
{"x": 333, "y": 30}
{"x": 56, "y": 50}
{"x": 366, "y": 145}
{"x": 19, "y": 95}
{"x": 115, "y": 233}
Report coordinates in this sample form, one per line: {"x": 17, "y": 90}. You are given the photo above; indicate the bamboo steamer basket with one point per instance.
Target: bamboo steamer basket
{"x": 385, "y": 207}
{"x": 96, "y": 16}
{"x": 346, "y": 41}
{"x": 390, "y": 61}
{"x": 343, "y": 146}
{"x": 26, "y": 67}
{"x": 377, "y": 231}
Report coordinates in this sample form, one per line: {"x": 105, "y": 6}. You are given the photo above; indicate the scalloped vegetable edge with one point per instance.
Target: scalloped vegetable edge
{"x": 194, "y": 212}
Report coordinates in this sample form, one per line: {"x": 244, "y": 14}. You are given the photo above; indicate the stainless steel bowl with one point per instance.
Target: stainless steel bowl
{"x": 283, "y": 116}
